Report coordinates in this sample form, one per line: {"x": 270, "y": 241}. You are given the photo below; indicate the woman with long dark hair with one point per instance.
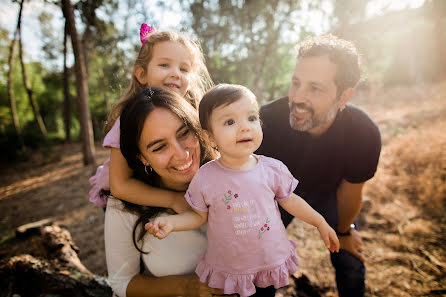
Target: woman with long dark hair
{"x": 163, "y": 144}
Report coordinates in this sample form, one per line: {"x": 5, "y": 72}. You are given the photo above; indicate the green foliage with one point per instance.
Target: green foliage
{"x": 244, "y": 42}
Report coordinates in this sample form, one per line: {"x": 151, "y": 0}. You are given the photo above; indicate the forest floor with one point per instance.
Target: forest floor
{"x": 402, "y": 221}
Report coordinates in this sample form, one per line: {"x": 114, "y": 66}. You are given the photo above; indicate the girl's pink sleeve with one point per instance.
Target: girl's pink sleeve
{"x": 112, "y": 139}
{"x": 100, "y": 181}
{"x": 285, "y": 183}
{"x": 195, "y": 196}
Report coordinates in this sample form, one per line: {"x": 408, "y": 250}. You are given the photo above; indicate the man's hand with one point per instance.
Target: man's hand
{"x": 353, "y": 244}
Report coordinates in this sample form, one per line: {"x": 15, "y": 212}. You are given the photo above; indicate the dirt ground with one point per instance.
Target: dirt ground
{"x": 402, "y": 222}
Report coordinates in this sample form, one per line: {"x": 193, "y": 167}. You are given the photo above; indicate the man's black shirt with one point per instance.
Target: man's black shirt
{"x": 349, "y": 150}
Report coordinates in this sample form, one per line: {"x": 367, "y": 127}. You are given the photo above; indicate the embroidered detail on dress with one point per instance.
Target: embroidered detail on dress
{"x": 228, "y": 197}
{"x": 264, "y": 228}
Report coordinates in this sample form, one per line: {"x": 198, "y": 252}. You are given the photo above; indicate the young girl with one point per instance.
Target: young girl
{"x": 167, "y": 60}
{"x": 247, "y": 242}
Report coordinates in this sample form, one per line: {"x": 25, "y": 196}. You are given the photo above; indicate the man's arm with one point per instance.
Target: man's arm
{"x": 349, "y": 205}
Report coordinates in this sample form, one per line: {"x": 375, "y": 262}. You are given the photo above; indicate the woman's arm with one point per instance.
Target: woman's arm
{"x": 300, "y": 209}
{"x": 173, "y": 285}
{"x": 127, "y": 188}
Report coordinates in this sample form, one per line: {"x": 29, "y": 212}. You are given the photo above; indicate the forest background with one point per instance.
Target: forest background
{"x": 63, "y": 64}
{"x": 245, "y": 42}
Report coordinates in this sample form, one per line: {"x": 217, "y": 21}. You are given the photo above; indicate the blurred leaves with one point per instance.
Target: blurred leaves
{"x": 245, "y": 42}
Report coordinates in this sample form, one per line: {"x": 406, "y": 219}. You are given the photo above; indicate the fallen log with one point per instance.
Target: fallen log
{"x": 48, "y": 265}
{"x": 42, "y": 260}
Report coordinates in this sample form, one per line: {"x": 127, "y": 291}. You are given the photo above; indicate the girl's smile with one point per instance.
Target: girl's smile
{"x": 169, "y": 68}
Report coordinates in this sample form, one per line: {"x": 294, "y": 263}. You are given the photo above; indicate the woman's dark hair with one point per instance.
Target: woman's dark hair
{"x": 221, "y": 94}
{"x": 133, "y": 116}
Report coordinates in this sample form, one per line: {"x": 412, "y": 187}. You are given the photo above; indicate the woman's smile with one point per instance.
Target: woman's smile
{"x": 170, "y": 148}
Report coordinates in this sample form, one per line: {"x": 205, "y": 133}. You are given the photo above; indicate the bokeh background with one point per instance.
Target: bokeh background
{"x": 45, "y": 160}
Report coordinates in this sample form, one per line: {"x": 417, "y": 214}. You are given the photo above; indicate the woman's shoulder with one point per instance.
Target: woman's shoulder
{"x": 115, "y": 211}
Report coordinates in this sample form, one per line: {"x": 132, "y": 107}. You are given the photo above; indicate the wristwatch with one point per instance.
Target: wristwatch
{"x": 347, "y": 233}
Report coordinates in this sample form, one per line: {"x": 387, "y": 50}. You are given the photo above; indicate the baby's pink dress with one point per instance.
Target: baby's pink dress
{"x": 100, "y": 181}
{"x": 247, "y": 242}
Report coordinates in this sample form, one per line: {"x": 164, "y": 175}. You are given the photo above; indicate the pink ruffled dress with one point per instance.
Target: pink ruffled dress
{"x": 247, "y": 242}
{"x": 100, "y": 181}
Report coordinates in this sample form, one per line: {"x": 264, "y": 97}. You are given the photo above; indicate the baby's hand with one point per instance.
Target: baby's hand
{"x": 329, "y": 237}
{"x": 160, "y": 227}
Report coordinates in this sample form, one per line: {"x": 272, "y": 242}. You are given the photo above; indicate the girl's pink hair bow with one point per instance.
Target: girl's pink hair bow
{"x": 145, "y": 32}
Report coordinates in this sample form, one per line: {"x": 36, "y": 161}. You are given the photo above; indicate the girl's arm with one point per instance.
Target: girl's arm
{"x": 125, "y": 187}
{"x": 300, "y": 209}
{"x": 189, "y": 220}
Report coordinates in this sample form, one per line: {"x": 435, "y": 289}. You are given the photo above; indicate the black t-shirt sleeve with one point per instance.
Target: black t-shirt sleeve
{"x": 363, "y": 149}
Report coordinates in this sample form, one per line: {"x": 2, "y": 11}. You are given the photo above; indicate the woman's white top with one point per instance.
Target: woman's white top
{"x": 177, "y": 254}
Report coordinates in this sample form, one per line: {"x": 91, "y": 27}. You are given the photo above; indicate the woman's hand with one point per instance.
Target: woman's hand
{"x": 199, "y": 289}
{"x": 329, "y": 236}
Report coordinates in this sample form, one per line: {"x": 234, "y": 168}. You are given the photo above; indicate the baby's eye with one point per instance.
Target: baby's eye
{"x": 229, "y": 122}
{"x": 184, "y": 70}
{"x": 253, "y": 118}
{"x": 164, "y": 65}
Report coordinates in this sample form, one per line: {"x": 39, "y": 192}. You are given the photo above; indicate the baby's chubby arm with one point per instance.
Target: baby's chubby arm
{"x": 299, "y": 208}
{"x": 189, "y": 220}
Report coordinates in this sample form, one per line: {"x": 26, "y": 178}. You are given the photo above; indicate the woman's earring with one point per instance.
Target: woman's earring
{"x": 151, "y": 169}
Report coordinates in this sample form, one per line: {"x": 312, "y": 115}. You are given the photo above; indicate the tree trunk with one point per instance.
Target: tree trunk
{"x": 29, "y": 92}
{"x": 66, "y": 89}
{"x": 439, "y": 16}
{"x": 88, "y": 149}
{"x": 12, "y": 103}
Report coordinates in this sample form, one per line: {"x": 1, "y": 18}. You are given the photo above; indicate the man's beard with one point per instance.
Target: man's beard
{"x": 314, "y": 121}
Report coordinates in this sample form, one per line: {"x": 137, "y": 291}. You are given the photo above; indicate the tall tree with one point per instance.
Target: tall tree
{"x": 12, "y": 102}
{"x": 438, "y": 13}
{"x": 88, "y": 149}
{"x": 29, "y": 92}
{"x": 66, "y": 88}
